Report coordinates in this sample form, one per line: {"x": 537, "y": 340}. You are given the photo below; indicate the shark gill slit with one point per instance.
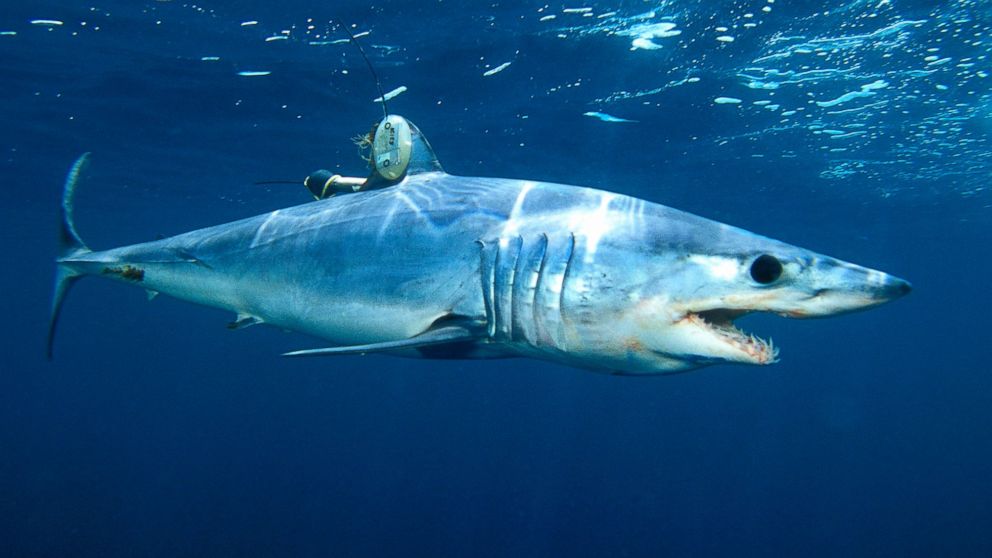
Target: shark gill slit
{"x": 526, "y": 278}
{"x": 506, "y": 264}
{"x": 487, "y": 277}
{"x": 515, "y": 273}
{"x": 539, "y": 333}
{"x": 564, "y": 285}
{"x": 547, "y": 297}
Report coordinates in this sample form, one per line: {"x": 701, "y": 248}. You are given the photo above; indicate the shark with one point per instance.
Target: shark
{"x": 422, "y": 263}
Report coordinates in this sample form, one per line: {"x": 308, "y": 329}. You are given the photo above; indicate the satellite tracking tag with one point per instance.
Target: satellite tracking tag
{"x": 391, "y": 147}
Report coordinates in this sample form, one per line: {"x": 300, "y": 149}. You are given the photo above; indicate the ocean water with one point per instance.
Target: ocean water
{"x": 861, "y": 129}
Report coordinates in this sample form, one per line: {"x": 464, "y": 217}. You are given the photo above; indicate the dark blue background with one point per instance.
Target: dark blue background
{"x": 156, "y": 431}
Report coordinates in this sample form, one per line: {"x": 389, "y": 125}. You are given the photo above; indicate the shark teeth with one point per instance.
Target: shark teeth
{"x": 720, "y": 322}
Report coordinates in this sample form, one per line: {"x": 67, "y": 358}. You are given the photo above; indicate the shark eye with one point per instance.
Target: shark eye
{"x": 766, "y": 269}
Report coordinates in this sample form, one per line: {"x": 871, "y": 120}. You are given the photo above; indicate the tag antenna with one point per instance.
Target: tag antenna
{"x": 378, "y": 84}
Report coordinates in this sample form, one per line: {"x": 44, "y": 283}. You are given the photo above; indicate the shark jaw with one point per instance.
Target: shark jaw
{"x": 718, "y": 324}
{"x": 705, "y": 334}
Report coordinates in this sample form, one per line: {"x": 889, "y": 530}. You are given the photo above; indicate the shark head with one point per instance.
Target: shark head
{"x": 694, "y": 321}
{"x": 695, "y": 277}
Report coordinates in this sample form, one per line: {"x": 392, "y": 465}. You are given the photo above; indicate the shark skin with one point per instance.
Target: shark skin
{"x": 443, "y": 266}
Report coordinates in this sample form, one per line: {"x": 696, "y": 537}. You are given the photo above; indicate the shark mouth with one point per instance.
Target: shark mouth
{"x": 744, "y": 347}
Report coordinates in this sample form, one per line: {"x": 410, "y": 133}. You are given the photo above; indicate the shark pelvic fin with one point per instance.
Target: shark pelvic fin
{"x": 243, "y": 321}
{"x": 439, "y": 336}
{"x": 69, "y": 245}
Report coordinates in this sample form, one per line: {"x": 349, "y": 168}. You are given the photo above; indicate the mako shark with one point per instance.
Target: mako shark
{"x": 426, "y": 264}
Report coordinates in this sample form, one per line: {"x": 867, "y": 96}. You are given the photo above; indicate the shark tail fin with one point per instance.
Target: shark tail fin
{"x": 69, "y": 245}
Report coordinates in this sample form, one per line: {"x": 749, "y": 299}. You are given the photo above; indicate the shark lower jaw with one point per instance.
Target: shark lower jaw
{"x": 726, "y": 341}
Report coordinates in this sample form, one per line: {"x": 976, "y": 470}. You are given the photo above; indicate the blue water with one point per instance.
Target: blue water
{"x": 158, "y": 432}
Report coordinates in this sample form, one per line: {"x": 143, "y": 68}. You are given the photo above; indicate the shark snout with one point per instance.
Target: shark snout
{"x": 876, "y": 284}
{"x": 840, "y": 287}
{"x": 895, "y": 287}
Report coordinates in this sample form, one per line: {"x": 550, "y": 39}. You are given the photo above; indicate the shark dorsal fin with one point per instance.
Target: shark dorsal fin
{"x": 422, "y": 156}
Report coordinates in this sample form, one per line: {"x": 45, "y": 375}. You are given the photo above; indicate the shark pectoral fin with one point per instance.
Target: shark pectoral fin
{"x": 439, "y": 336}
{"x": 243, "y": 321}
